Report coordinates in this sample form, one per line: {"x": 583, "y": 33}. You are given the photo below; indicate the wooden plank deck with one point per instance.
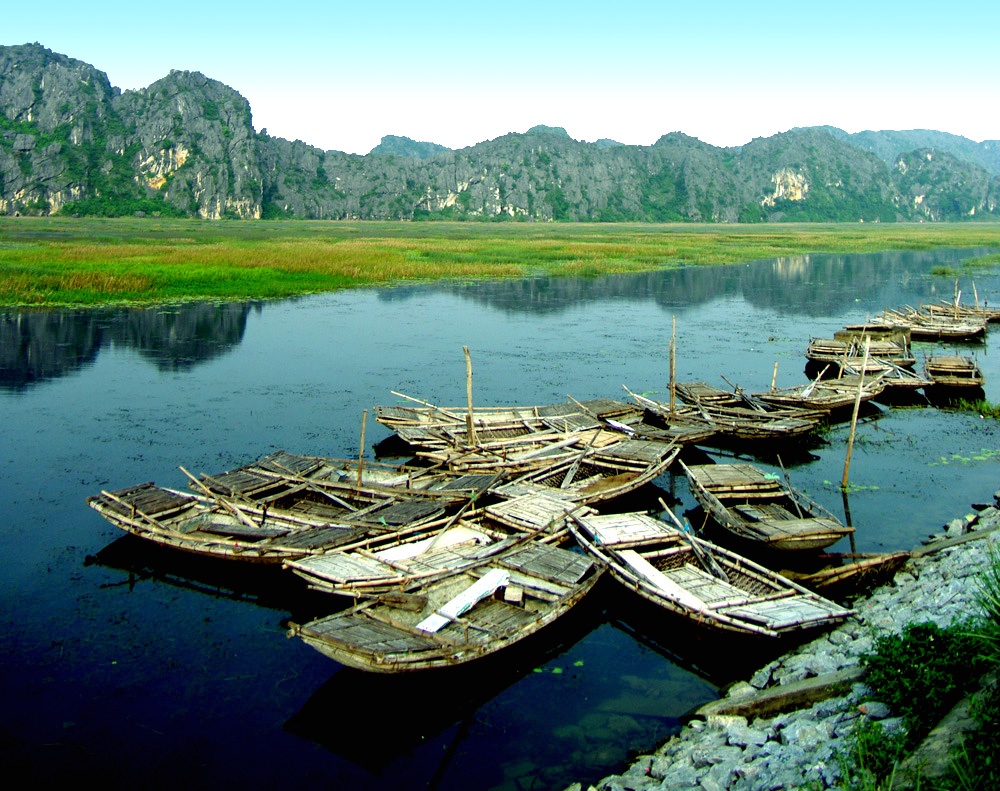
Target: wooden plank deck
{"x": 723, "y": 479}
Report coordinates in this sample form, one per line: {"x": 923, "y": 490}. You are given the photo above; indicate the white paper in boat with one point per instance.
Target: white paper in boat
{"x": 466, "y": 600}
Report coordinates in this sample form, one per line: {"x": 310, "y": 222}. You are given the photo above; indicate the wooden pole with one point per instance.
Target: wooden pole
{"x": 673, "y": 364}
{"x": 774, "y": 375}
{"x": 469, "y": 427}
{"x": 854, "y": 416}
{"x": 848, "y": 522}
{"x": 361, "y": 451}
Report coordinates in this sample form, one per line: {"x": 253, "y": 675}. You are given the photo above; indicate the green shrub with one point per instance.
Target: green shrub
{"x": 923, "y": 672}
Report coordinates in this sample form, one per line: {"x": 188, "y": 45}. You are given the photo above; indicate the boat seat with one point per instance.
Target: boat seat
{"x": 760, "y": 512}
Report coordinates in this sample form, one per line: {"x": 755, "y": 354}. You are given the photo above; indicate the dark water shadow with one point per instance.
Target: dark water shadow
{"x": 413, "y": 722}
{"x": 263, "y": 585}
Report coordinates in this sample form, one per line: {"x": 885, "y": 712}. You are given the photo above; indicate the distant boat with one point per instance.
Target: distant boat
{"x": 698, "y": 580}
{"x": 761, "y": 509}
{"x": 936, "y": 325}
{"x": 459, "y": 618}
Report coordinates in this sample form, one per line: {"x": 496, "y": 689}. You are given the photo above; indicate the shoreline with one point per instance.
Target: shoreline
{"x": 746, "y": 741}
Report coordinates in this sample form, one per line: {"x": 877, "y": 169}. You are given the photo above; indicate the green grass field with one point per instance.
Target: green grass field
{"x": 91, "y": 262}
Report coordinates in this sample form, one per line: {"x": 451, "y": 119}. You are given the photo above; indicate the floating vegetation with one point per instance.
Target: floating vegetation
{"x": 984, "y": 454}
{"x": 851, "y": 487}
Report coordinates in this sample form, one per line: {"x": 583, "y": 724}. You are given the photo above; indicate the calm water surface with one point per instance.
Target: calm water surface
{"x": 136, "y": 666}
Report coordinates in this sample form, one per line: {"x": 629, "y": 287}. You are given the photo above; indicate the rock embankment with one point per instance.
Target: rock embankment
{"x": 800, "y": 748}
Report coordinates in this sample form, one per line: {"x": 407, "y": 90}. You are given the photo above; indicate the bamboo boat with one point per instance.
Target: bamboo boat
{"x": 218, "y": 528}
{"x": 738, "y": 423}
{"x": 499, "y": 429}
{"x": 825, "y": 395}
{"x": 955, "y": 309}
{"x": 285, "y": 506}
{"x": 895, "y": 378}
{"x": 633, "y": 421}
{"x": 596, "y": 475}
{"x": 698, "y": 580}
{"x": 843, "y": 574}
{"x": 380, "y": 564}
{"x": 295, "y": 482}
{"x": 293, "y": 497}
{"x": 936, "y": 326}
{"x": 518, "y": 455}
{"x": 841, "y": 352}
{"x": 762, "y": 510}
{"x": 430, "y": 426}
{"x": 459, "y": 618}
{"x": 876, "y": 331}
{"x": 953, "y": 372}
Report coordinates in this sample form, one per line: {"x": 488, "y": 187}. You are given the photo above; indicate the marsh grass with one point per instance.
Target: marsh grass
{"x": 68, "y": 261}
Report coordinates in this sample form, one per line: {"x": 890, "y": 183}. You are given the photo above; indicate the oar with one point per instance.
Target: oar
{"x": 223, "y": 502}
{"x": 429, "y": 406}
{"x": 704, "y": 558}
{"x": 791, "y": 491}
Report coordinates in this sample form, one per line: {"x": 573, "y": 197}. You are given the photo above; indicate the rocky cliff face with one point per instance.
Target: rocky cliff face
{"x": 185, "y": 146}
{"x": 195, "y": 145}
{"x": 54, "y": 116}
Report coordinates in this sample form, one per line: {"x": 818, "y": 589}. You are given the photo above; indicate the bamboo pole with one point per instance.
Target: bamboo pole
{"x": 469, "y": 427}
{"x": 854, "y": 415}
{"x": 774, "y": 376}
{"x": 673, "y": 364}
{"x": 361, "y": 451}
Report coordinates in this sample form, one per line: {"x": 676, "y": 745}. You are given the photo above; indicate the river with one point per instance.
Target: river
{"x": 133, "y": 666}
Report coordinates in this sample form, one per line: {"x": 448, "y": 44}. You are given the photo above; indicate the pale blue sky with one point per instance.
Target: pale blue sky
{"x": 340, "y": 75}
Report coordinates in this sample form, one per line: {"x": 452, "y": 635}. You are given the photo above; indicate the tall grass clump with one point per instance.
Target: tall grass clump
{"x": 976, "y": 764}
{"x": 196, "y": 259}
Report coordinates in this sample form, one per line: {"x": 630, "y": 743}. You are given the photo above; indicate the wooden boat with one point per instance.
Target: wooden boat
{"x": 842, "y": 352}
{"x": 459, "y": 618}
{"x": 953, "y": 371}
{"x": 264, "y": 494}
{"x": 738, "y": 423}
{"x": 825, "y": 395}
{"x": 633, "y": 421}
{"x": 936, "y": 326}
{"x": 955, "y": 309}
{"x": 843, "y": 574}
{"x": 596, "y": 475}
{"x": 429, "y": 426}
{"x": 894, "y": 378}
{"x": 699, "y": 580}
{"x": 285, "y": 506}
{"x": 519, "y": 455}
{"x": 281, "y": 477}
{"x": 761, "y": 509}
{"x": 876, "y": 331}
{"x": 379, "y": 564}
{"x": 218, "y": 528}
{"x": 499, "y": 430}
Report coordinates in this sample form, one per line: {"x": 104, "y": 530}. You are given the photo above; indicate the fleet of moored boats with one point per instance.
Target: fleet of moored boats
{"x": 504, "y": 518}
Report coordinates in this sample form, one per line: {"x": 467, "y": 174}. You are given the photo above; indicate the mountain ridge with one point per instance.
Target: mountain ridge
{"x": 72, "y": 143}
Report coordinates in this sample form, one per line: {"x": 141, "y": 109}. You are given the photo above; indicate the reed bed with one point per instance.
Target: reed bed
{"x": 85, "y": 262}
